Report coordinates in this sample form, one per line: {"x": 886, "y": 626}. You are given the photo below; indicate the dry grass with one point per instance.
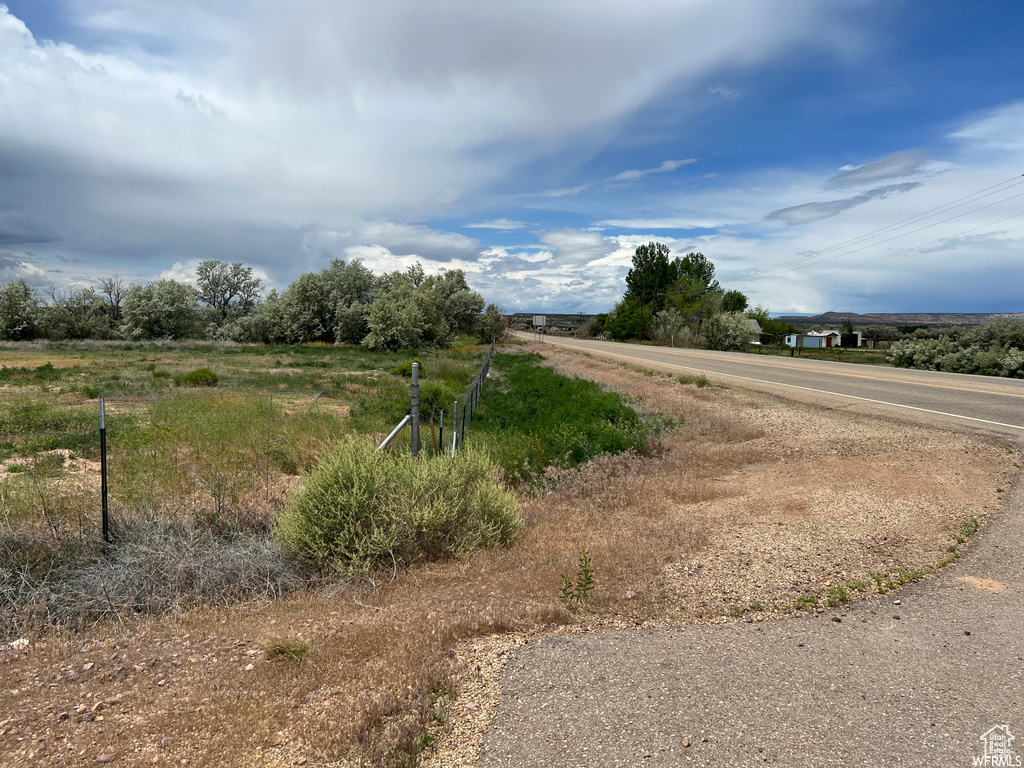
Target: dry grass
{"x": 385, "y": 648}
{"x": 285, "y": 648}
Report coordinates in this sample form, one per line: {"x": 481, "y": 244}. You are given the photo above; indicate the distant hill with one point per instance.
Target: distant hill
{"x": 565, "y": 319}
{"x": 903, "y": 318}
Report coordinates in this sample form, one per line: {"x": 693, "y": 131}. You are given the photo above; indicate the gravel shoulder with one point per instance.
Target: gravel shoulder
{"x": 913, "y": 678}
{"x": 731, "y": 671}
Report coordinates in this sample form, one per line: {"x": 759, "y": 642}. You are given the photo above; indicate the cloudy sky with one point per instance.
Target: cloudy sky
{"x": 825, "y": 154}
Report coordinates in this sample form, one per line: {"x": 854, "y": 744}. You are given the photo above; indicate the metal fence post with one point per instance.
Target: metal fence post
{"x": 270, "y": 419}
{"x": 455, "y": 427}
{"x": 103, "y": 470}
{"x": 415, "y": 409}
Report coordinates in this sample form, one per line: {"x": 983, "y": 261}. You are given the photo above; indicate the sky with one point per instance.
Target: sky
{"x": 843, "y": 155}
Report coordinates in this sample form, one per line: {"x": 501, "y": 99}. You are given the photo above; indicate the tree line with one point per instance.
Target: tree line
{"x": 344, "y": 303}
{"x": 680, "y": 302}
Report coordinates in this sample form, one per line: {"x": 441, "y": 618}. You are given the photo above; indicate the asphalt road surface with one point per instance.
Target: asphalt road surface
{"x": 916, "y": 678}
{"x": 985, "y": 402}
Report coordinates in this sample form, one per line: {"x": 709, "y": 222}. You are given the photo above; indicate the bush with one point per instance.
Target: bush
{"x": 19, "y": 312}
{"x": 201, "y": 377}
{"x": 727, "y": 330}
{"x": 161, "y": 309}
{"x": 438, "y": 396}
{"x": 492, "y": 325}
{"x": 152, "y": 569}
{"x": 944, "y": 354}
{"x": 405, "y": 369}
{"x": 359, "y": 509}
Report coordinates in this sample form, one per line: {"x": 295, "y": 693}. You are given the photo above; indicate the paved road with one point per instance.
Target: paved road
{"x": 986, "y": 402}
{"x": 914, "y": 679}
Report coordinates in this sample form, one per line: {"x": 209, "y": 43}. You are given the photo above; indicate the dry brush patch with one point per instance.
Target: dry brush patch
{"x": 682, "y": 534}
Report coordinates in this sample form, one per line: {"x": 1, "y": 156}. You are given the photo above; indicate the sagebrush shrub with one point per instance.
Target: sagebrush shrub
{"x": 359, "y": 509}
{"x": 201, "y": 377}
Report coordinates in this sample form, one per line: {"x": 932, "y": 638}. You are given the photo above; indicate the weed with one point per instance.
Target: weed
{"x": 737, "y": 610}
{"x": 970, "y": 527}
{"x": 699, "y": 381}
{"x": 1000, "y": 490}
{"x": 757, "y": 607}
{"x": 951, "y": 548}
{"x": 837, "y": 596}
{"x": 285, "y": 648}
{"x": 201, "y": 377}
{"x": 856, "y": 585}
{"x": 576, "y": 594}
{"x": 895, "y": 578}
{"x": 806, "y": 601}
{"x": 405, "y": 369}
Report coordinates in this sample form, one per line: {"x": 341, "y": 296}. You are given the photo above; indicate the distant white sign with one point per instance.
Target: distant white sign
{"x": 539, "y": 320}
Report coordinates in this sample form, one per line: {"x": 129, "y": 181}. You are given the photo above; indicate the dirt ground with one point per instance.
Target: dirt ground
{"x": 752, "y": 509}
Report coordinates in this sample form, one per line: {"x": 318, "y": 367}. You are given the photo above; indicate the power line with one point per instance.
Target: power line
{"x": 891, "y": 255}
{"x": 945, "y": 208}
{"x": 895, "y": 237}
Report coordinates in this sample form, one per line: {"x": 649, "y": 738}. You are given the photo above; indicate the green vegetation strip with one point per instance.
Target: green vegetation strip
{"x": 531, "y": 417}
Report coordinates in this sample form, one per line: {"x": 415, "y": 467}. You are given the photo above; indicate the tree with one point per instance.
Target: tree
{"x": 727, "y": 330}
{"x": 161, "y": 309}
{"x": 670, "y": 327}
{"x": 491, "y": 325}
{"x": 265, "y": 324}
{"x": 881, "y": 333}
{"x": 458, "y": 304}
{"x": 115, "y": 289}
{"x": 650, "y": 277}
{"x": 309, "y": 309}
{"x": 76, "y": 313}
{"x": 226, "y": 286}
{"x": 700, "y": 268}
{"x": 395, "y": 319}
{"x": 734, "y": 301}
{"x": 19, "y": 311}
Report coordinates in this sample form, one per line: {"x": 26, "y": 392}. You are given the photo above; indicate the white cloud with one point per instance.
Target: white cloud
{"x": 807, "y": 212}
{"x": 996, "y": 130}
{"x": 724, "y": 91}
{"x": 676, "y": 222}
{"x": 898, "y": 165}
{"x": 666, "y": 167}
{"x": 182, "y": 271}
{"x": 504, "y": 225}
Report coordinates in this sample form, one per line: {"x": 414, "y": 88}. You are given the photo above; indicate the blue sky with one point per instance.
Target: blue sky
{"x": 532, "y": 144}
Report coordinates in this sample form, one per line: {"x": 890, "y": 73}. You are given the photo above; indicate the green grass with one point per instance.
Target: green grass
{"x": 699, "y": 381}
{"x": 207, "y": 455}
{"x": 530, "y": 417}
{"x": 895, "y": 578}
{"x": 182, "y": 452}
{"x": 837, "y": 596}
{"x": 806, "y": 601}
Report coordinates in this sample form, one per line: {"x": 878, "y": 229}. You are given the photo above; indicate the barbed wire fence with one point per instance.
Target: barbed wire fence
{"x": 86, "y": 469}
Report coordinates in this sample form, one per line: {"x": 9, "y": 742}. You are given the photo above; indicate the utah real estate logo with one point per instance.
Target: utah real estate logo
{"x": 998, "y": 748}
